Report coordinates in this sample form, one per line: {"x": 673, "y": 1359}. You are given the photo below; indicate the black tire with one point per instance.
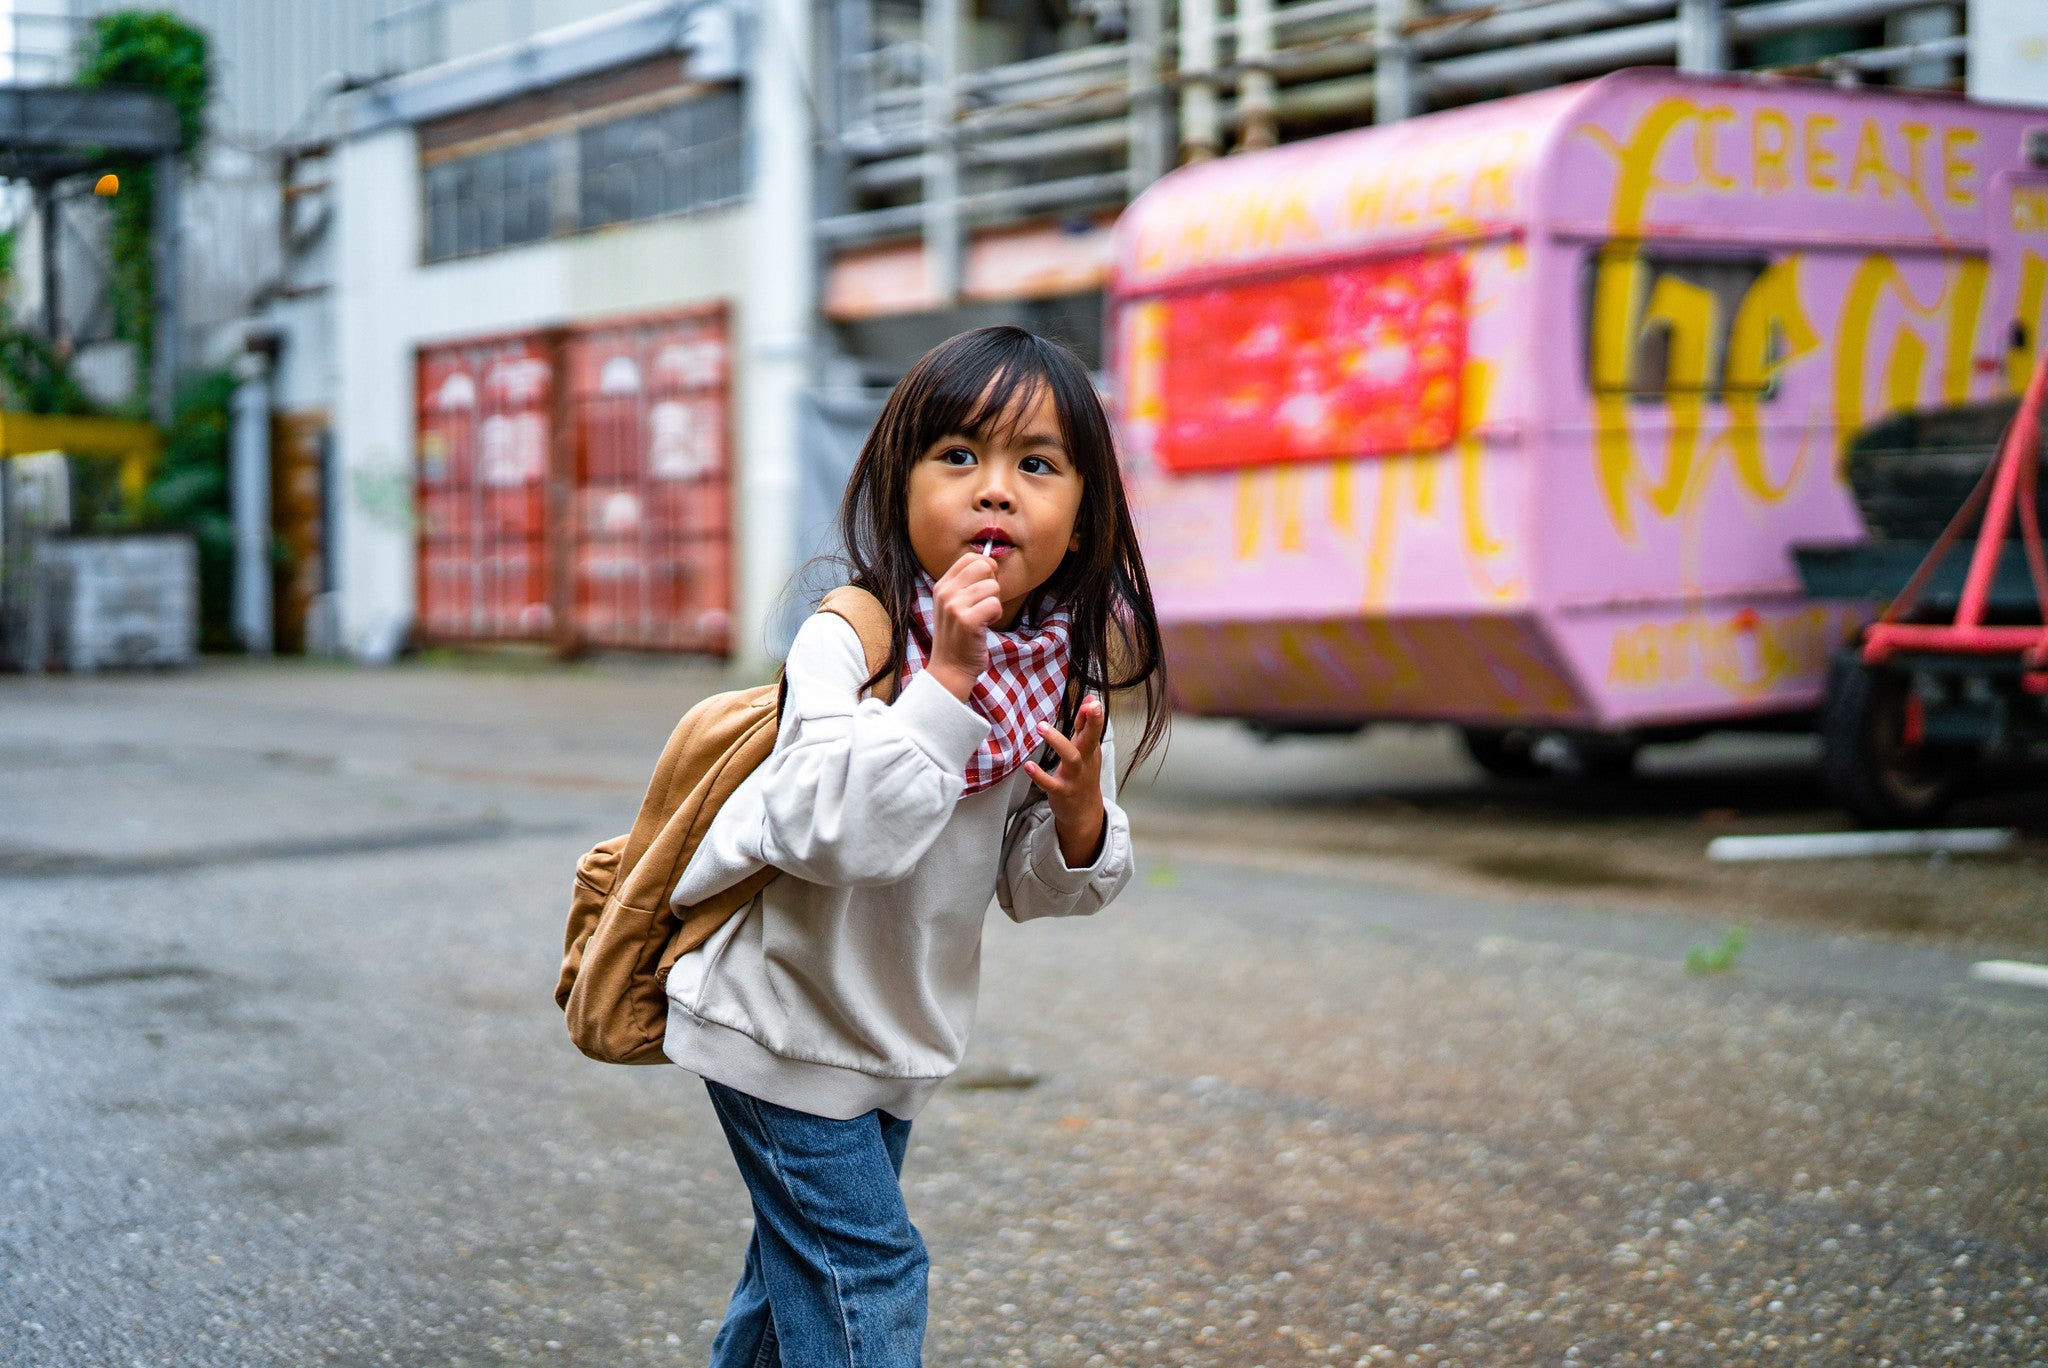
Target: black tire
{"x": 1866, "y": 763}
{"x": 1599, "y": 757}
{"x": 1503, "y": 754}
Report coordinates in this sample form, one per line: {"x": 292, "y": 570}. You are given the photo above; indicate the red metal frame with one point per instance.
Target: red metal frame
{"x": 2014, "y": 478}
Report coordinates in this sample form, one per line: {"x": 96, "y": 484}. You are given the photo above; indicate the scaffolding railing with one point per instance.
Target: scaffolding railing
{"x": 928, "y": 144}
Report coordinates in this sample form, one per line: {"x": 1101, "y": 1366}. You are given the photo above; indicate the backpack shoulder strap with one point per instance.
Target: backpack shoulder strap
{"x": 870, "y": 620}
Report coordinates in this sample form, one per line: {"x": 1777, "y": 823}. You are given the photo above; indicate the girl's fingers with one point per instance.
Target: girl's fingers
{"x": 1042, "y": 779}
{"x": 1061, "y": 746}
{"x": 1093, "y": 717}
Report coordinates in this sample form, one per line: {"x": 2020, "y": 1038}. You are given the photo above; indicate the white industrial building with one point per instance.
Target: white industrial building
{"x": 574, "y": 309}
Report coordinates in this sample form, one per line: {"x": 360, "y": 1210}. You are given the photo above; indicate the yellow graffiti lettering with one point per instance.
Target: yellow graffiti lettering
{"x": 1287, "y": 508}
{"x": 1688, "y": 315}
{"x": 1403, "y": 210}
{"x": 1770, "y": 142}
{"x": 1619, "y": 283}
{"x": 1819, "y": 160}
{"x": 1965, "y": 304}
{"x": 1365, "y": 202}
{"x": 1635, "y": 178}
{"x": 1902, "y": 371}
{"x": 1144, "y": 370}
{"x": 1956, "y": 168}
{"x": 1869, "y": 162}
{"x": 1343, "y": 514}
{"x": 2019, "y": 361}
{"x": 1490, "y": 188}
{"x": 2030, "y": 209}
{"x": 1744, "y": 654}
{"x": 1955, "y": 310}
{"x": 1769, "y": 334}
{"x": 1703, "y": 144}
{"x": 1481, "y": 543}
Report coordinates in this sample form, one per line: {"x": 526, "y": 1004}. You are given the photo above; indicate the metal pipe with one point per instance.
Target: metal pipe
{"x": 1258, "y": 114}
{"x": 1702, "y": 36}
{"x": 1395, "y": 96}
{"x": 1072, "y": 192}
{"x": 1146, "y": 152}
{"x": 1918, "y": 29}
{"x": 1199, "y": 140}
{"x": 1483, "y": 71}
{"x": 249, "y": 495}
{"x": 1498, "y": 26}
{"x": 166, "y": 252}
{"x": 943, "y": 246}
{"x": 1095, "y": 57}
{"x": 1896, "y": 58}
{"x": 1097, "y": 104}
{"x": 1307, "y": 63}
{"x": 1106, "y": 135}
{"x": 1329, "y": 99}
{"x": 46, "y": 220}
{"x": 1757, "y": 21}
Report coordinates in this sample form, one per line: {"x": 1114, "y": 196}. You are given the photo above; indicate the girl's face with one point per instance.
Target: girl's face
{"x": 1014, "y": 486}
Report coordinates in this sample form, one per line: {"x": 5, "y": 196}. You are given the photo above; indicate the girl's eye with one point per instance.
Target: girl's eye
{"x": 957, "y": 456}
{"x": 1042, "y": 466}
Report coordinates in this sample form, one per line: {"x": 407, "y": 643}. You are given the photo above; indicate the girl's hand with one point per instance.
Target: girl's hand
{"x": 1075, "y": 790}
{"x": 966, "y": 604}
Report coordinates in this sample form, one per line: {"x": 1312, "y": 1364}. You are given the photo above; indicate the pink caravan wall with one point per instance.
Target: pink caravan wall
{"x": 1815, "y": 258}
{"x": 1809, "y": 258}
{"x": 1343, "y": 570}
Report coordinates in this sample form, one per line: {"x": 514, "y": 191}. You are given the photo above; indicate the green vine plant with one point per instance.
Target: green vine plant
{"x": 158, "y": 51}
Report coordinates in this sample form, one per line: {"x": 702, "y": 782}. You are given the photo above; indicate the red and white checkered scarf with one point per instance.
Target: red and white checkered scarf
{"x": 1022, "y": 686}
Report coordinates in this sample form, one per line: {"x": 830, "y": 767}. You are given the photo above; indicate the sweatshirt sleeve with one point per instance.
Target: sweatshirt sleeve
{"x": 857, "y": 790}
{"x": 1035, "y": 880}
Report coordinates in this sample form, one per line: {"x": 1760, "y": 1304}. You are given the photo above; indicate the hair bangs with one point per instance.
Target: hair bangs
{"x": 980, "y": 385}
{"x": 984, "y": 395}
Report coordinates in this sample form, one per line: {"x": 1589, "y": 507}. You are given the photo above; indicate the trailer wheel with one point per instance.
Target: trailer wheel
{"x": 1503, "y": 754}
{"x": 1599, "y": 756}
{"x": 1867, "y": 763}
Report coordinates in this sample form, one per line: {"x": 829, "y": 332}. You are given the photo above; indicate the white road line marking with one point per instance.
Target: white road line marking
{"x": 2017, "y": 972}
{"x": 1823, "y": 845}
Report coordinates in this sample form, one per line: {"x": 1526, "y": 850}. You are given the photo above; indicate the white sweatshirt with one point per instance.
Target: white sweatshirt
{"x": 849, "y": 984}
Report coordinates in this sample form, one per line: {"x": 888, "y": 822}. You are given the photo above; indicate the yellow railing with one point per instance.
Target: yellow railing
{"x": 135, "y": 444}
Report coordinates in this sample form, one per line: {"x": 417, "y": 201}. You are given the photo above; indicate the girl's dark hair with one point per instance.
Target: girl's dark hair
{"x": 964, "y": 387}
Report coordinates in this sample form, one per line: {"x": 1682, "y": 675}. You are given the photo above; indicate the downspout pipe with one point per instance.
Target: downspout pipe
{"x": 249, "y": 500}
{"x": 1200, "y": 137}
{"x": 1258, "y": 109}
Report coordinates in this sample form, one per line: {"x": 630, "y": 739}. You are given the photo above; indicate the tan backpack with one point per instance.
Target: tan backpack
{"x": 623, "y": 936}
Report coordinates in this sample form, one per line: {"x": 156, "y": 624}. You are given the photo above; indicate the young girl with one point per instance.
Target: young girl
{"x": 987, "y": 514}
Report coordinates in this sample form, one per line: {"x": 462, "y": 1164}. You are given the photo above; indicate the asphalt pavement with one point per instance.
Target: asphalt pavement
{"x": 284, "y": 1082}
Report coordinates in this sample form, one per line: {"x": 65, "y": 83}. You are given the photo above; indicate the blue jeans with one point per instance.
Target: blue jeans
{"x": 835, "y": 1273}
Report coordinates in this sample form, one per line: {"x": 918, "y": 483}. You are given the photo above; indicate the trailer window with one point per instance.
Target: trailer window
{"x": 1657, "y": 325}
{"x": 1358, "y": 360}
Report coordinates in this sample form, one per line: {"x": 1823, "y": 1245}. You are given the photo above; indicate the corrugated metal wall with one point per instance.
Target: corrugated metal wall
{"x": 629, "y": 421}
{"x": 271, "y": 55}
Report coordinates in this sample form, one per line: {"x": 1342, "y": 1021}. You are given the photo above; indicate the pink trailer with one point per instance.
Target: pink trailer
{"x": 1508, "y": 416}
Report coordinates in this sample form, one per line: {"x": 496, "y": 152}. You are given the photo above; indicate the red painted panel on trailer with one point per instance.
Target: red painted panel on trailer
{"x": 1362, "y": 361}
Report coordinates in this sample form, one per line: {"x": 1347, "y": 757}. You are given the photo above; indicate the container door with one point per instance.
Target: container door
{"x": 2019, "y": 264}
{"x": 298, "y": 511}
{"x": 651, "y": 557}
{"x": 483, "y": 424}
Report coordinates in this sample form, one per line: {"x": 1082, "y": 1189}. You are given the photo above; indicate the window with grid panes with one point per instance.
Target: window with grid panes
{"x": 666, "y": 161}
{"x": 489, "y": 200}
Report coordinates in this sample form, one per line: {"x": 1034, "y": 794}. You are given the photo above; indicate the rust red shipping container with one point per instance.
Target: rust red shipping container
{"x": 573, "y": 486}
